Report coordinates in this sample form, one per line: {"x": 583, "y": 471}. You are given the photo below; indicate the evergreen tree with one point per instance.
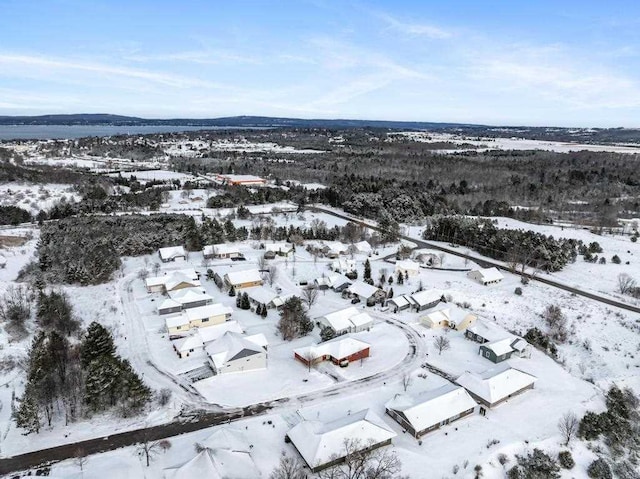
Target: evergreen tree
{"x": 259, "y": 309}
{"x": 264, "y": 312}
{"x": 230, "y": 230}
{"x": 327, "y": 333}
{"x": 390, "y": 293}
{"x": 192, "y": 238}
{"x": 27, "y": 415}
{"x": 400, "y": 279}
{"x": 134, "y": 391}
{"x": 367, "y": 270}
{"x": 102, "y": 384}
{"x": 245, "y": 304}
{"x": 294, "y": 321}
{"x": 97, "y": 342}
{"x": 232, "y": 291}
{"x": 238, "y": 301}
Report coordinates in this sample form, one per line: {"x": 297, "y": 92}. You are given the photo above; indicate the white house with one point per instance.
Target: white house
{"x": 448, "y": 316}
{"x": 266, "y": 297}
{"x": 169, "y": 306}
{"x": 486, "y": 276}
{"x": 243, "y": 279}
{"x": 343, "y": 265}
{"x": 430, "y": 410}
{"x": 337, "y": 282}
{"x": 426, "y": 299}
{"x": 399, "y": 303}
{"x": 221, "y": 251}
{"x": 348, "y": 320}
{"x": 281, "y": 249}
{"x": 191, "y": 297}
{"x": 233, "y": 352}
{"x": 195, "y": 342}
{"x": 364, "y": 291}
{"x": 172, "y": 280}
{"x": 363, "y": 247}
{"x": 172, "y": 253}
{"x": 407, "y": 267}
{"x": 496, "y": 385}
{"x": 322, "y": 444}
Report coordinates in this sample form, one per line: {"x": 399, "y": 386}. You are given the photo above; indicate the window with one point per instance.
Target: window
{"x": 205, "y": 320}
{"x": 487, "y": 354}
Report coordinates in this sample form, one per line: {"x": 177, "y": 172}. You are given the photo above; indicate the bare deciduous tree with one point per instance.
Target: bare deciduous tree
{"x": 149, "y": 449}
{"x": 262, "y": 263}
{"x": 361, "y": 461}
{"x": 310, "y": 296}
{"x": 406, "y": 381}
{"x": 272, "y": 275}
{"x": 288, "y": 468}
{"x": 568, "y": 426}
{"x": 441, "y": 343}
{"x": 156, "y": 269}
{"x": 80, "y": 458}
{"x": 625, "y": 283}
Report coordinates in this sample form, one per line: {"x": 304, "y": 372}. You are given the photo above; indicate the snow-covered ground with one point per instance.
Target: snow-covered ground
{"x": 602, "y": 350}
{"x": 35, "y": 197}
{"x": 155, "y": 175}
{"x": 485, "y": 144}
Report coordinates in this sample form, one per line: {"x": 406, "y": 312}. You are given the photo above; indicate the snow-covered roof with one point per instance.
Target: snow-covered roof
{"x": 261, "y": 294}
{"x": 490, "y": 274}
{"x": 172, "y": 252}
{"x": 432, "y": 407}
{"x": 244, "y": 276}
{"x": 231, "y": 346}
{"x": 169, "y": 303}
{"x": 500, "y": 347}
{"x": 343, "y": 264}
{"x": 338, "y": 348}
{"x": 201, "y": 312}
{"x": 192, "y": 341}
{"x": 333, "y": 280}
{"x": 408, "y": 265}
{"x": 155, "y": 281}
{"x": 227, "y": 437}
{"x": 362, "y": 289}
{"x": 496, "y": 383}
{"x": 211, "y": 333}
{"x": 439, "y": 316}
{"x": 189, "y": 295}
{"x": 259, "y": 339}
{"x": 426, "y": 297}
{"x": 175, "y": 321}
{"x": 179, "y": 278}
{"x": 400, "y": 301}
{"x": 363, "y": 246}
{"x": 488, "y": 330}
{"x": 347, "y": 318}
{"x": 200, "y": 466}
{"x": 335, "y": 246}
{"x": 319, "y": 443}
{"x": 222, "y": 248}
{"x": 188, "y": 275}
{"x": 276, "y": 247}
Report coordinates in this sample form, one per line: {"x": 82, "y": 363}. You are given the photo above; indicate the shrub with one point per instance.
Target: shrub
{"x": 518, "y": 291}
{"x": 538, "y": 465}
{"x": 590, "y": 426}
{"x": 615, "y": 259}
{"x": 515, "y": 473}
{"x": 566, "y": 460}
{"x": 599, "y": 469}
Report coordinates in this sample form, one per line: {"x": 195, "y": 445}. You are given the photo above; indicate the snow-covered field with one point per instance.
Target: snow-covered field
{"x": 485, "y": 144}
{"x": 35, "y": 197}
{"x": 155, "y": 175}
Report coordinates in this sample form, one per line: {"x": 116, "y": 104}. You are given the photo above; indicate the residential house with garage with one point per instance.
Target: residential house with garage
{"x": 486, "y": 276}
{"x": 172, "y": 254}
{"x": 340, "y": 351}
{"x": 497, "y": 385}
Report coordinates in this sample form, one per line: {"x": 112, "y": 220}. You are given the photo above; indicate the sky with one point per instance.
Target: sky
{"x": 542, "y": 62}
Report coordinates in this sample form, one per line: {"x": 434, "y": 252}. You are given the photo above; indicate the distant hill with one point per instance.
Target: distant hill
{"x": 234, "y": 121}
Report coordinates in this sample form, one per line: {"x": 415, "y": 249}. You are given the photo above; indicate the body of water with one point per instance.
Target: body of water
{"x": 48, "y": 132}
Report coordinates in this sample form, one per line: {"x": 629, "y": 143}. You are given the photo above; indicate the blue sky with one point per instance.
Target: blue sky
{"x": 564, "y": 63}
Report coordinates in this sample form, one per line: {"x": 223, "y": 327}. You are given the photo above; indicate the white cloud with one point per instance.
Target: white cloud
{"x": 414, "y": 29}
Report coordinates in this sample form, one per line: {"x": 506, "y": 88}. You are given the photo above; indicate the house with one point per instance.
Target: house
{"x": 365, "y": 292}
{"x": 449, "y": 316}
{"x": 169, "y": 306}
{"x": 281, "y": 249}
{"x": 221, "y": 251}
{"x": 173, "y": 253}
{"x": 333, "y": 249}
{"x": 407, "y": 267}
{"x": 340, "y": 351}
{"x": 217, "y": 463}
{"x": 343, "y": 265}
{"x": 363, "y": 247}
{"x": 195, "y": 342}
{"x": 233, "y": 352}
{"x": 245, "y": 180}
{"x": 497, "y": 351}
{"x": 484, "y": 331}
{"x": 399, "y": 303}
{"x": 431, "y": 410}
{"x": 191, "y": 297}
{"x": 335, "y": 281}
{"x": 347, "y": 320}
{"x": 496, "y": 385}
{"x": 425, "y": 299}
{"x": 428, "y": 260}
{"x": 486, "y": 276}
{"x": 243, "y": 279}
{"x": 322, "y": 445}
{"x": 264, "y": 296}
{"x": 184, "y": 278}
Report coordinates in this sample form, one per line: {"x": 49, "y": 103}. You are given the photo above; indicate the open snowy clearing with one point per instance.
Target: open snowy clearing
{"x": 35, "y": 197}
